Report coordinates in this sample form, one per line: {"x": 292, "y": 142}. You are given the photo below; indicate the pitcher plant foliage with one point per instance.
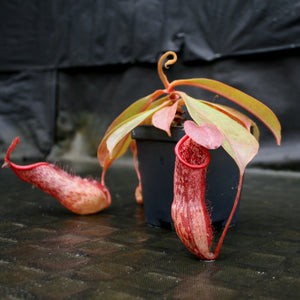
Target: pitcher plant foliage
{"x": 211, "y": 125}
{"x": 240, "y": 133}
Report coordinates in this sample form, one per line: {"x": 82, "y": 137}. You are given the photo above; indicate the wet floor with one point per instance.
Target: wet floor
{"x": 46, "y": 252}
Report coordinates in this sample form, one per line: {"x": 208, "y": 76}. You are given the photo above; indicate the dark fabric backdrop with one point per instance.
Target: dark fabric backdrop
{"x": 67, "y": 68}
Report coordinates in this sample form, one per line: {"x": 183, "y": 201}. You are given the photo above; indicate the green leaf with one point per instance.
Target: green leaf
{"x": 258, "y": 109}
{"x": 129, "y": 124}
{"x": 237, "y": 140}
{"x": 138, "y": 106}
{"x": 238, "y": 116}
{"x": 135, "y": 108}
{"x": 119, "y": 150}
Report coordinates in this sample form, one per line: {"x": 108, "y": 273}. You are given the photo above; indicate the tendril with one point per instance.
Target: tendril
{"x": 166, "y": 65}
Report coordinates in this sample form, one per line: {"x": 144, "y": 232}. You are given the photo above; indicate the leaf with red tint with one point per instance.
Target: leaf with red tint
{"x": 206, "y": 135}
{"x": 79, "y": 195}
{"x": 106, "y": 156}
{"x": 238, "y": 142}
{"x": 163, "y": 118}
{"x": 257, "y": 108}
{"x": 236, "y": 115}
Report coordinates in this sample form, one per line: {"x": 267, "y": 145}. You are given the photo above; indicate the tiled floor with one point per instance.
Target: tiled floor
{"x": 47, "y": 252}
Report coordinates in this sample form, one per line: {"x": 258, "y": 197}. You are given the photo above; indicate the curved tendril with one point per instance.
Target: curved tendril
{"x": 166, "y": 65}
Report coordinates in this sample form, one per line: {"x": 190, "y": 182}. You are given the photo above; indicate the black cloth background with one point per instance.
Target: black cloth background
{"x": 51, "y": 34}
{"x": 67, "y": 68}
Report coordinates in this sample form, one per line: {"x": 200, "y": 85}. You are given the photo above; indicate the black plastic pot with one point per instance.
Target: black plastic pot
{"x": 156, "y": 159}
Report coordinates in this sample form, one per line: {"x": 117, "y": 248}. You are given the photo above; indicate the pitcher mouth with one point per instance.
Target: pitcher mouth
{"x": 179, "y": 155}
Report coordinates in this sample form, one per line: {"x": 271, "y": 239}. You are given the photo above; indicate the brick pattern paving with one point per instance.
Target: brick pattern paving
{"x": 47, "y": 252}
